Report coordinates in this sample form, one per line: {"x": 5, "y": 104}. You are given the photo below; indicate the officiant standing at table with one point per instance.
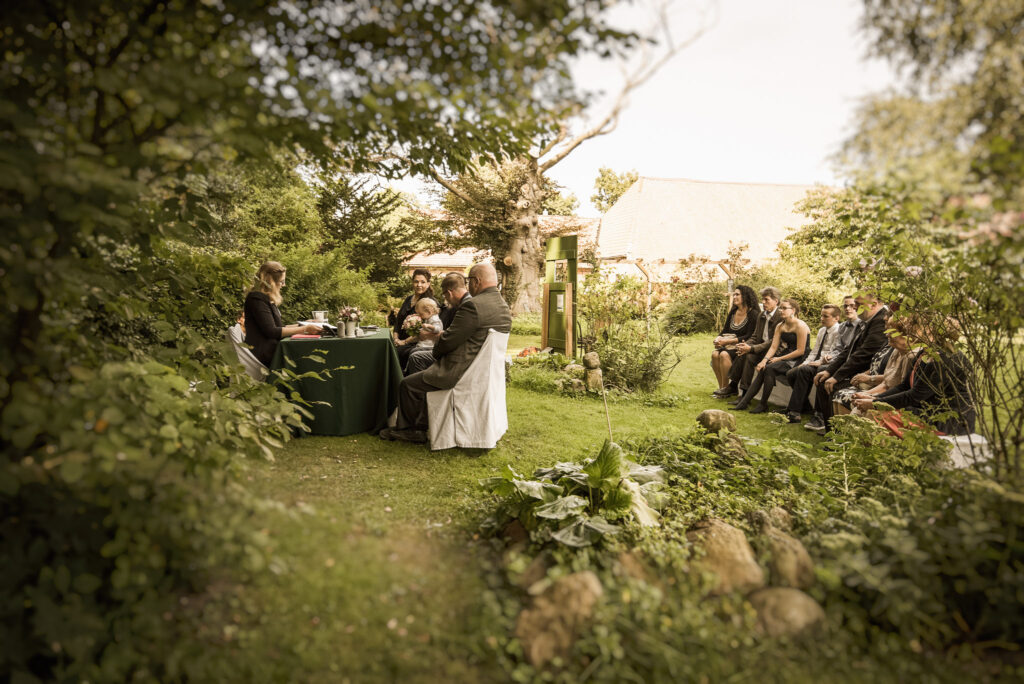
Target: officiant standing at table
{"x": 454, "y": 351}
{"x": 263, "y": 328}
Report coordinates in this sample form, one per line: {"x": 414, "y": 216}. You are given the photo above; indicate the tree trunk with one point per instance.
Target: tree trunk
{"x": 520, "y": 266}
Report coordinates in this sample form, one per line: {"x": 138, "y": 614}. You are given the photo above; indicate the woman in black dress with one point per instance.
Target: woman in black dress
{"x": 739, "y": 325}
{"x": 263, "y": 327}
{"x": 421, "y": 288}
{"x": 789, "y": 347}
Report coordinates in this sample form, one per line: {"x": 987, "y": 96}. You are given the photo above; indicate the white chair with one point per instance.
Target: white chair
{"x": 472, "y": 415}
{"x": 256, "y": 370}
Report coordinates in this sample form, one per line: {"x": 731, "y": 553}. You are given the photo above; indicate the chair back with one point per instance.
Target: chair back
{"x": 253, "y": 367}
{"x": 473, "y": 414}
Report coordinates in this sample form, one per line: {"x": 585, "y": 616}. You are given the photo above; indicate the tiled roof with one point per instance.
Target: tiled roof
{"x": 672, "y": 218}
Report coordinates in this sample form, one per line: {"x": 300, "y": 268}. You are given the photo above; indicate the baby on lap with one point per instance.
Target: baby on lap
{"x": 428, "y": 310}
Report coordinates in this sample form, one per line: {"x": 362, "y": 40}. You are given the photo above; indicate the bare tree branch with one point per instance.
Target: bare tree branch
{"x": 452, "y": 188}
{"x": 638, "y": 77}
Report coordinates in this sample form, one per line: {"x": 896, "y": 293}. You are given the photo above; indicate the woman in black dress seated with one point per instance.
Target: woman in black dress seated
{"x": 937, "y": 388}
{"x": 739, "y": 325}
{"x": 421, "y": 289}
{"x": 789, "y": 347}
{"x": 263, "y": 326}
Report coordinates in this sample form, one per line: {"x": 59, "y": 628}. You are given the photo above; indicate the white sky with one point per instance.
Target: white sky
{"x": 765, "y": 95}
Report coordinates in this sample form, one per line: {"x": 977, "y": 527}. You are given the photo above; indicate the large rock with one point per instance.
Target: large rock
{"x": 574, "y": 369}
{"x": 788, "y": 561}
{"x": 714, "y": 420}
{"x": 728, "y": 555}
{"x": 785, "y": 612}
{"x": 591, "y": 360}
{"x": 577, "y": 386}
{"x": 593, "y": 378}
{"x": 550, "y": 626}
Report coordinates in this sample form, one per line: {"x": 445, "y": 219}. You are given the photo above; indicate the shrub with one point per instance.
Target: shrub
{"x": 120, "y": 497}
{"x": 526, "y": 324}
{"x": 697, "y": 308}
{"x": 808, "y": 286}
{"x": 322, "y": 281}
{"x": 635, "y": 352}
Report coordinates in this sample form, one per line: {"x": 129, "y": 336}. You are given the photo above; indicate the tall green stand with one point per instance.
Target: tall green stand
{"x": 558, "y": 324}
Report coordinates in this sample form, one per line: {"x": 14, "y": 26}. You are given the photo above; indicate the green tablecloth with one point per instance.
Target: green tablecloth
{"x": 362, "y": 389}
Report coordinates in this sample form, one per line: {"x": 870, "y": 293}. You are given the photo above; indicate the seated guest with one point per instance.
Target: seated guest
{"x": 788, "y": 348}
{"x": 262, "y": 318}
{"x": 428, "y": 311}
{"x": 867, "y": 340}
{"x": 420, "y": 288}
{"x": 454, "y": 291}
{"x": 750, "y": 352}
{"x": 937, "y": 389}
{"x": 827, "y": 345}
{"x": 454, "y": 352}
{"x": 739, "y": 325}
{"x": 889, "y": 367}
{"x": 453, "y": 288}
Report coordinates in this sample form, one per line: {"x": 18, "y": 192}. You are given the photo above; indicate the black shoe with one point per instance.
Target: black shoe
{"x": 412, "y": 436}
{"x": 816, "y": 424}
{"x": 793, "y": 417}
{"x": 739, "y": 405}
{"x": 724, "y": 392}
{"x": 387, "y": 434}
{"x": 759, "y": 409}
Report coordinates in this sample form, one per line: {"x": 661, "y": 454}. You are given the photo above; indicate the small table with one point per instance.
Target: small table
{"x": 362, "y": 389}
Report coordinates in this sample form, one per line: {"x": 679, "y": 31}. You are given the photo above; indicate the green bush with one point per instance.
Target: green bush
{"x": 526, "y": 324}
{"x": 808, "y": 286}
{"x": 119, "y": 498}
{"x": 697, "y": 308}
{"x": 636, "y": 354}
{"x": 322, "y": 281}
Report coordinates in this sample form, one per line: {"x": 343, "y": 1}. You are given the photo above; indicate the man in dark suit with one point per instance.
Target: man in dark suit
{"x": 454, "y": 290}
{"x": 868, "y": 339}
{"x": 750, "y": 353}
{"x": 454, "y": 351}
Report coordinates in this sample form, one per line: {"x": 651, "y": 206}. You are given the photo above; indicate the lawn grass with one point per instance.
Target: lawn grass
{"x": 378, "y": 575}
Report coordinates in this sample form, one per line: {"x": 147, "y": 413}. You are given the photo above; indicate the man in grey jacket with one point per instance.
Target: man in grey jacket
{"x": 454, "y": 351}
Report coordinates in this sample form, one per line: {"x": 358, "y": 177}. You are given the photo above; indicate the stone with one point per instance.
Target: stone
{"x": 574, "y": 369}
{"x": 782, "y": 611}
{"x": 577, "y": 385}
{"x": 591, "y": 360}
{"x": 631, "y": 566}
{"x": 731, "y": 446}
{"x": 534, "y": 572}
{"x": 593, "y": 379}
{"x": 789, "y": 563}
{"x": 548, "y": 628}
{"x": 515, "y": 532}
{"x": 776, "y": 517}
{"x": 728, "y": 555}
{"x": 714, "y": 420}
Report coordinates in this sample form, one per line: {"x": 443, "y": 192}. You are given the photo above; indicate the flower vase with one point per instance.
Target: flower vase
{"x": 350, "y": 328}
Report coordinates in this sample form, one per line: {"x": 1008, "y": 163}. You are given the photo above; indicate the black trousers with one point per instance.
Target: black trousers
{"x": 412, "y": 403}
{"x": 801, "y": 379}
{"x": 742, "y": 372}
{"x": 765, "y": 379}
{"x": 823, "y": 399}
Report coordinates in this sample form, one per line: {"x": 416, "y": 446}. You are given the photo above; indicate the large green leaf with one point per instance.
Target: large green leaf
{"x": 543, "y": 491}
{"x": 584, "y": 532}
{"x": 644, "y": 474}
{"x": 644, "y": 514}
{"x": 617, "y": 502}
{"x": 561, "y": 508}
{"x": 605, "y": 471}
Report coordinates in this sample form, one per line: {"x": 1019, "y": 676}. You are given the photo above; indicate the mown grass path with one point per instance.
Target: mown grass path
{"x": 378, "y": 575}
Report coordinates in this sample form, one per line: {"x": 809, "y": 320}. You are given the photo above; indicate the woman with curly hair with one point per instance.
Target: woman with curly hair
{"x": 739, "y": 325}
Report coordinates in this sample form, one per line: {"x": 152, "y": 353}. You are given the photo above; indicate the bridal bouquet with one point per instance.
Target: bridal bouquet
{"x": 412, "y": 324}
{"x": 350, "y": 313}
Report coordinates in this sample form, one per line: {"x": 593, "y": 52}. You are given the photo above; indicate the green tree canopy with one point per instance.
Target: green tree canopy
{"x": 610, "y": 186}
